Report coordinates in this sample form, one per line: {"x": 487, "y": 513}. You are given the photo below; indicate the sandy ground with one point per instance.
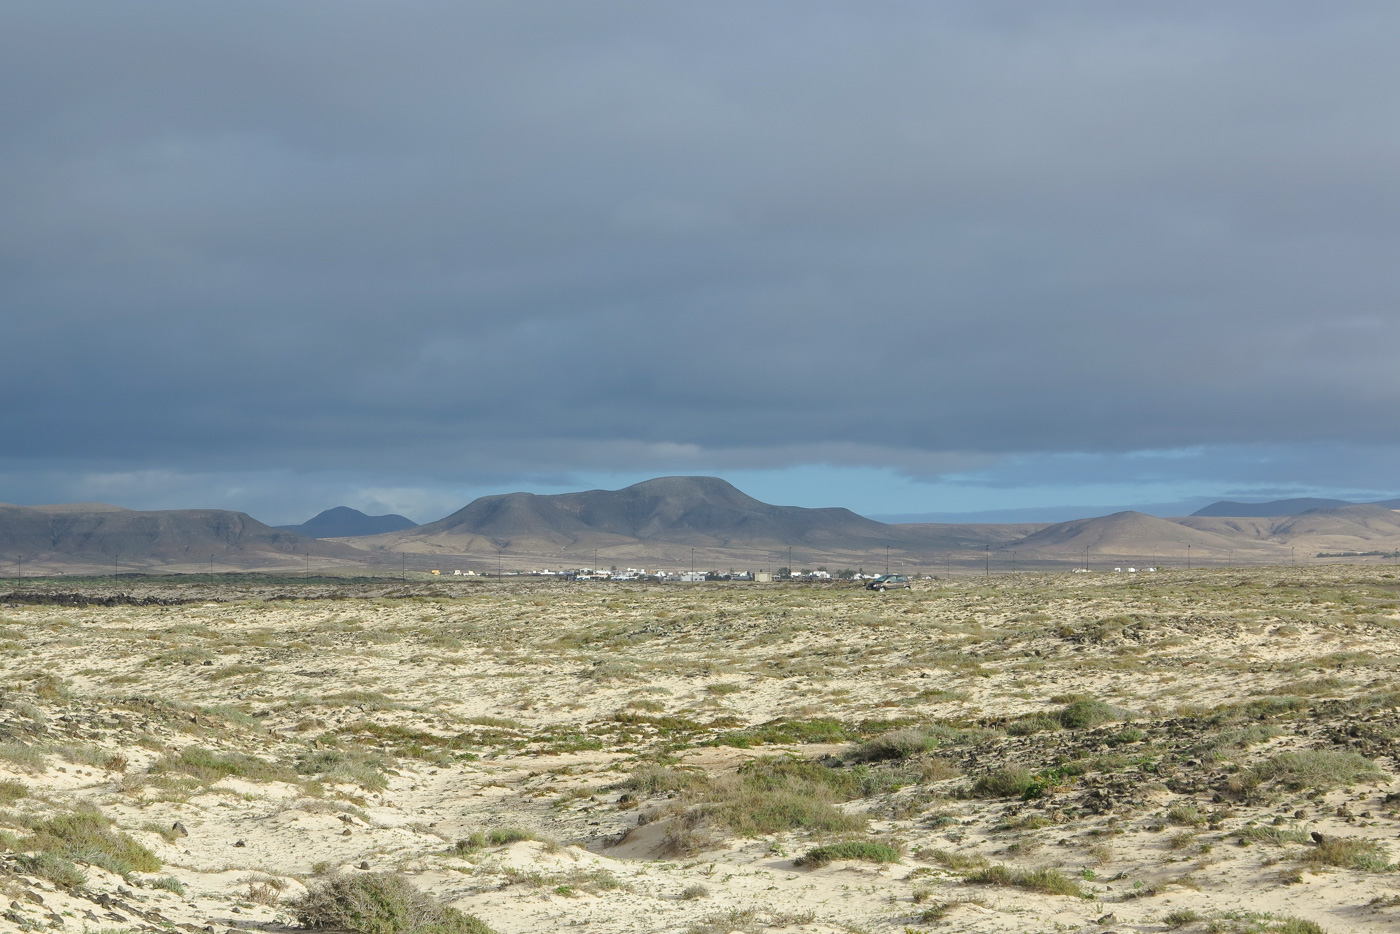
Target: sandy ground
{"x": 370, "y": 729}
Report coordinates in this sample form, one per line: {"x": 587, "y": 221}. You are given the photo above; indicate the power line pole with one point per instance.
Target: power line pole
{"x": 987, "y": 559}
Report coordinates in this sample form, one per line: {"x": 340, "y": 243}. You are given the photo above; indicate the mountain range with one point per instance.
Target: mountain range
{"x": 1282, "y": 507}
{"x": 668, "y": 522}
{"x": 344, "y": 522}
{"x": 99, "y": 537}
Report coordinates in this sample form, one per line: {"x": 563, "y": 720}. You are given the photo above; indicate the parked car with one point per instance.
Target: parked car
{"x": 889, "y": 582}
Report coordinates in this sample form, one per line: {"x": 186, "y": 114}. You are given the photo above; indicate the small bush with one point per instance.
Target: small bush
{"x": 1032, "y": 723}
{"x": 1275, "y": 835}
{"x": 1297, "y": 926}
{"x": 1185, "y": 815}
{"x": 958, "y": 862}
{"x": 851, "y": 849}
{"x": 87, "y": 836}
{"x": 1350, "y": 853}
{"x": 11, "y": 791}
{"x": 1088, "y": 712}
{"x": 653, "y": 779}
{"x": 380, "y": 903}
{"x": 1181, "y": 917}
{"x": 480, "y": 839}
{"x": 55, "y": 868}
{"x": 1010, "y": 782}
{"x": 208, "y": 767}
{"x": 1317, "y": 769}
{"x": 1044, "y": 881}
{"x": 169, "y": 884}
{"x": 692, "y": 892}
{"x": 27, "y": 758}
{"x": 262, "y": 889}
{"x": 896, "y": 744}
{"x": 788, "y": 731}
{"x": 768, "y": 795}
{"x": 338, "y": 766}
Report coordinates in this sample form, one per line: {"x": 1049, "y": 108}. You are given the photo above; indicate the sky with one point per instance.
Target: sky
{"x": 906, "y": 257}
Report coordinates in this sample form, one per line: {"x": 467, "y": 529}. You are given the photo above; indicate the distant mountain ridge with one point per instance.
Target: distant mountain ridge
{"x": 1281, "y": 507}
{"x": 97, "y": 533}
{"x": 344, "y": 522}
{"x": 674, "y": 522}
{"x": 692, "y": 511}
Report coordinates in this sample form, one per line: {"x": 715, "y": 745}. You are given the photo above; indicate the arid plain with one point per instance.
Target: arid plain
{"x": 1193, "y": 751}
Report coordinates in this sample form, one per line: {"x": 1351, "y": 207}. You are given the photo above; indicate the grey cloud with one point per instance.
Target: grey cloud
{"x": 502, "y": 237}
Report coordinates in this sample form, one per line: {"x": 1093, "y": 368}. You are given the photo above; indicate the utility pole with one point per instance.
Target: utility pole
{"x": 308, "y": 565}
{"x": 403, "y": 566}
{"x": 20, "y": 561}
{"x": 114, "y": 565}
{"x": 211, "y": 570}
{"x": 1188, "y": 557}
{"x": 987, "y": 559}
{"x": 692, "y": 562}
{"x": 887, "y": 559}
{"x": 1291, "y": 560}
{"x": 498, "y": 565}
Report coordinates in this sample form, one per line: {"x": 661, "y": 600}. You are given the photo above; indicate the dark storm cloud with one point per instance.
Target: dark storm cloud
{"x": 472, "y": 237}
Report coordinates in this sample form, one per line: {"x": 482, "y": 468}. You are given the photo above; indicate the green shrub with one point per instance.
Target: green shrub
{"x": 339, "y": 766}
{"x": 1350, "y": 853}
{"x": 851, "y": 849}
{"x": 380, "y": 903}
{"x": 1317, "y": 769}
{"x": 57, "y": 869}
{"x": 1044, "y": 881}
{"x": 1010, "y": 782}
{"x": 480, "y": 839}
{"x": 169, "y": 884}
{"x": 1185, "y": 815}
{"x": 1032, "y": 723}
{"x": 1297, "y": 926}
{"x": 87, "y": 836}
{"x": 788, "y": 731}
{"x": 958, "y": 862}
{"x": 502, "y": 836}
{"x": 27, "y": 758}
{"x": 651, "y": 779}
{"x": 1181, "y": 917}
{"x": 208, "y": 767}
{"x": 769, "y": 795}
{"x": 896, "y": 744}
{"x": 1088, "y": 712}
{"x": 1275, "y": 835}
